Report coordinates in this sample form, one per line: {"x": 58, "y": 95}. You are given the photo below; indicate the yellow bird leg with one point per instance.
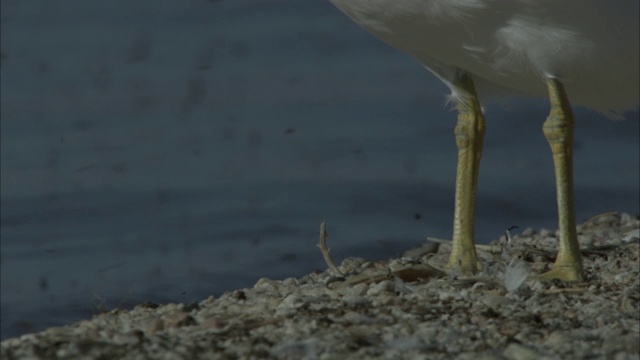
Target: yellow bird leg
{"x": 558, "y": 129}
{"x": 469, "y": 133}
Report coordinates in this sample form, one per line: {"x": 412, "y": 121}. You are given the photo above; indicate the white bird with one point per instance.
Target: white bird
{"x": 582, "y": 50}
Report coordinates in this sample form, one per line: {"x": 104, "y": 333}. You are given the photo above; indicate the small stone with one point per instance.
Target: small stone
{"x": 381, "y": 287}
{"x": 557, "y": 339}
{"x": 510, "y": 328}
{"x": 520, "y": 352}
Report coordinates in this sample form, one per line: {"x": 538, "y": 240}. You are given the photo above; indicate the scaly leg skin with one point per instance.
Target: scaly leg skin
{"x": 469, "y": 134}
{"x": 558, "y": 129}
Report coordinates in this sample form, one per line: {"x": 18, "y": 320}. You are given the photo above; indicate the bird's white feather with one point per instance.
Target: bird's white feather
{"x": 509, "y": 46}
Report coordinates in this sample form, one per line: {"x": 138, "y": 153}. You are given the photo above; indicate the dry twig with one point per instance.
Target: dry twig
{"x": 325, "y": 250}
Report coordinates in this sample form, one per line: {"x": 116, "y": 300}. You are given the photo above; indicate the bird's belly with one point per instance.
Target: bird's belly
{"x": 590, "y": 45}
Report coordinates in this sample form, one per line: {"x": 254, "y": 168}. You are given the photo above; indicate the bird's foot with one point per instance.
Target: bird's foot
{"x": 569, "y": 273}
{"x": 465, "y": 268}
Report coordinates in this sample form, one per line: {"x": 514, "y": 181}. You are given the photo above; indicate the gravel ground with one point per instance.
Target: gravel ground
{"x": 402, "y": 308}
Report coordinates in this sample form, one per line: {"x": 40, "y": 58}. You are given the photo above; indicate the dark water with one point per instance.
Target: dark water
{"x": 171, "y": 152}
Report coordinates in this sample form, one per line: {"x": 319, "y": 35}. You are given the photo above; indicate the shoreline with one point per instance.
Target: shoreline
{"x": 380, "y": 310}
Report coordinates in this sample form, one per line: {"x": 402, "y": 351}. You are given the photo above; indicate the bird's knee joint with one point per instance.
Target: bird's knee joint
{"x": 555, "y": 130}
